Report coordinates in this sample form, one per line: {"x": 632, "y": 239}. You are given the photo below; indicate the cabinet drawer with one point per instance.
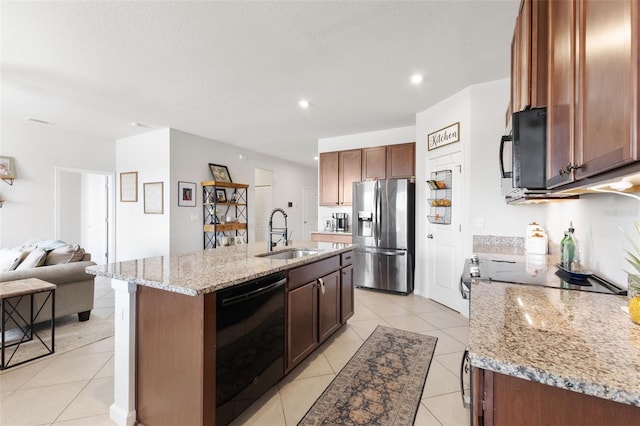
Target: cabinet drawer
{"x": 346, "y": 258}
{"x": 311, "y": 272}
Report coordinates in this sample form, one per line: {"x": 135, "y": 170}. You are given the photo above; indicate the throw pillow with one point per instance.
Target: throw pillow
{"x": 65, "y": 254}
{"x": 34, "y": 259}
{"x": 10, "y": 259}
{"x": 48, "y": 245}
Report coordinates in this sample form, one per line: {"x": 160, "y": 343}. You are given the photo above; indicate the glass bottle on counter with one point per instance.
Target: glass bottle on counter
{"x": 568, "y": 249}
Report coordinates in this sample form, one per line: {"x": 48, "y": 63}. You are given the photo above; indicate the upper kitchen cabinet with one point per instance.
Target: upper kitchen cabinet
{"x": 401, "y": 160}
{"x": 593, "y": 88}
{"x": 389, "y": 162}
{"x": 529, "y": 56}
{"x": 374, "y": 163}
{"x": 338, "y": 171}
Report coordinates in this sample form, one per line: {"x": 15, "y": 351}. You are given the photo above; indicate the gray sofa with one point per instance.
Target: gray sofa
{"x": 74, "y": 292}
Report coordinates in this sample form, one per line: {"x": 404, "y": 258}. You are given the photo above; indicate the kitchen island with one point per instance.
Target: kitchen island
{"x": 550, "y": 356}
{"x": 165, "y": 322}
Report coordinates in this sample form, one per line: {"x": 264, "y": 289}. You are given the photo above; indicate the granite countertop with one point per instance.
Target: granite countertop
{"x": 210, "y": 270}
{"x": 575, "y": 340}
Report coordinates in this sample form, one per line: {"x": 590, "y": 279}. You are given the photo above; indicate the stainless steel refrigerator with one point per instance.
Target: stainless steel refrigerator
{"x": 383, "y": 229}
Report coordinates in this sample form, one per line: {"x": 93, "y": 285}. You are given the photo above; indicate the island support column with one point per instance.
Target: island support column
{"x": 123, "y": 409}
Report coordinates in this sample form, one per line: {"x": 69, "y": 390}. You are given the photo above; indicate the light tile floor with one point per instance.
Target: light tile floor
{"x": 76, "y": 388}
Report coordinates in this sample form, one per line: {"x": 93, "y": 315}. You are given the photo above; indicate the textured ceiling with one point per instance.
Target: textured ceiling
{"x": 235, "y": 71}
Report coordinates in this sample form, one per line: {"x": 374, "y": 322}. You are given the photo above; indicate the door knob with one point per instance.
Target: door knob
{"x": 430, "y": 236}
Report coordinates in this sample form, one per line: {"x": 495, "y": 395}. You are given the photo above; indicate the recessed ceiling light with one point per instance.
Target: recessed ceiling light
{"x": 136, "y": 124}
{"x": 36, "y": 120}
{"x": 304, "y": 104}
{"x": 416, "y": 78}
{"x": 315, "y": 158}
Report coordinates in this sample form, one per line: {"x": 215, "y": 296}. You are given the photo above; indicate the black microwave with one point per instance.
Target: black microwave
{"x": 528, "y": 152}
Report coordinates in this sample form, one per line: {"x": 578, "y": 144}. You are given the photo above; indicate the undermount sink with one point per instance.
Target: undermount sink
{"x": 289, "y": 254}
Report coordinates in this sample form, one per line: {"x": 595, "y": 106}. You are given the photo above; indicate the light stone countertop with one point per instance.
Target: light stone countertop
{"x": 575, "y": 340}
{"x": 210, "y": 270}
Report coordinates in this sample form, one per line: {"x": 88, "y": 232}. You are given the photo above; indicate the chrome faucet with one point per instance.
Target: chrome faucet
{"x": 277, "y": 231}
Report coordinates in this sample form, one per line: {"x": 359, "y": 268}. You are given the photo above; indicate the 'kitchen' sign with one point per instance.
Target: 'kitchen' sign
{"x": 442, "y": 137}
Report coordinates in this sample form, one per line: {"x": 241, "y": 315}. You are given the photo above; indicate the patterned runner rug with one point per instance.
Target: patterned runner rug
{"x": 381, "y": 384}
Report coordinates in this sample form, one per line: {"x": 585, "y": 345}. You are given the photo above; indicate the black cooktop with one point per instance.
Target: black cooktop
{"x": 546, "y": 275}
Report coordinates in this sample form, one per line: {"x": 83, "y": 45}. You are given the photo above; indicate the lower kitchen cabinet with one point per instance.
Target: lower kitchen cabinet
{"x": 302, "y": 327}
{"x": 319, "y": 301}
{"x": 328, "y": 305}
{"x": 347, "y": 298}
{"x": 499, "y": 399}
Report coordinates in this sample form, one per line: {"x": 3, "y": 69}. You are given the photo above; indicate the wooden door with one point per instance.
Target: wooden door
{"x": 328, "y": 305}
{"x": 347, "y": 296}
{"x": 302, "y": 323}
{"x": 350, "y": 170}
{"x": 374, "y": 163}
{"x": 329, "y": 164}
{"x": 560, "y": 114}
{"x": 607, "y": 76}
{"x": 401, "y": 161}
{"x": 539, "y": 52}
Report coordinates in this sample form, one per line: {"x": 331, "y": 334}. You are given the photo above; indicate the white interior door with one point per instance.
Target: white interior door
{"x": 444, "y": 241}
{"x": 264, "y": 205}
{"x": 84, "y": 211}
{"x": 310, "y": 212}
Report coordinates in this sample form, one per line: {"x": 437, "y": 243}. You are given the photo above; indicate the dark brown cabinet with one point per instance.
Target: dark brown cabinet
{"x": 338, "y": 171}
{"x": 529, "y": 56}
{"x": 320, "y": 299}
{"x": 328, "y": 305}
{"x": 593, "y": 88}
{"x": 313, "y": 307}
{"x": 347, "y": 294}
{"x": 500, "y": 399}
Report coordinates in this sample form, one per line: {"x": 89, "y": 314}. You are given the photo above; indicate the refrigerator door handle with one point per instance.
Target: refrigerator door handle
{"x": 383, "y": 253}
{"x": 378, "y": 213}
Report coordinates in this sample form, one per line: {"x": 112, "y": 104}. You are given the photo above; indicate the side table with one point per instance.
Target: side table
{"x": 12, "y": 294}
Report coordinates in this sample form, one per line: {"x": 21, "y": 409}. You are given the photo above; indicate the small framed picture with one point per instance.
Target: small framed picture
{"x": 220, "y": 173}
{"x": 234, "y": 197}
{"x": 221, "y": 195}
{"x": 153, "y": 198}
{"x": 129, "y": 187}
{"x": 186, "y": 194}
{"x": 7, "y": 168}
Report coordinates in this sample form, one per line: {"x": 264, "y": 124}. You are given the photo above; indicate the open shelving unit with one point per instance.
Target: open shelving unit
{"x": 440, "y": 197}
{"x": 214, "y": 211}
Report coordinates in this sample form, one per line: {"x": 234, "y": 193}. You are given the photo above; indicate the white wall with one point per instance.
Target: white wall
{"x": 170, "y": 156}
{"x": 138, "y": 234}
{"x": 394, "y": 136}
{"x": 29, "y": 212}
{"x": 451, "y": 110}
{"x": 486, "y": 205}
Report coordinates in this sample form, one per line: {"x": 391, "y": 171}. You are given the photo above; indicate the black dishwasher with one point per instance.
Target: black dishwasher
{"x": 249, "y": 343}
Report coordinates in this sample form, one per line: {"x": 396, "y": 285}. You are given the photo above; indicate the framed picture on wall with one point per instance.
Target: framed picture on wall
{"x": 7, "y": 168}
{"x": 219, "y": 173}
{"x": 186, "y": 194}
{"x": 154, "y": 198}
{"x": 129, "y": 187}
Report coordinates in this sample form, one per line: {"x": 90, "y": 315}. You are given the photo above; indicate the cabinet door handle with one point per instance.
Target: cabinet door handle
{"x": 321, "y": 285}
